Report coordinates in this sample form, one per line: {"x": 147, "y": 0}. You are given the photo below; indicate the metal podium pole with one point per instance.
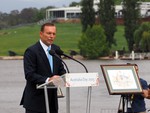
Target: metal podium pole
{"x": 45, "y": 94}
{"x": 67, "y": 100}
{"x": 88, "y": 99}
{"x": 46, "y": 99}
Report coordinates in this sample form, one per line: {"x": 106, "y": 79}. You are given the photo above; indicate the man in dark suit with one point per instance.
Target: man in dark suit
{"x": 38, "y": 71}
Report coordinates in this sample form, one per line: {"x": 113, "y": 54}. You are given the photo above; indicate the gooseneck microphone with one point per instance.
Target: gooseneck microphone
{"x": 53, "y": 53}
{"x": 60, "y": 52}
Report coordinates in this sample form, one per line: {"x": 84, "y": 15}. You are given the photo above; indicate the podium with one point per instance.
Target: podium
{"x": 69, "y": 80}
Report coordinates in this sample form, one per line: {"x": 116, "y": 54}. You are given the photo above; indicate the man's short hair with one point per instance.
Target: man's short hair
{"x": 46, "y": 24}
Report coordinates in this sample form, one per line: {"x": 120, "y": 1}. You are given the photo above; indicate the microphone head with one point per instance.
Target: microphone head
{"x": 52, "y": 52}
{"x": 59, "y": 52}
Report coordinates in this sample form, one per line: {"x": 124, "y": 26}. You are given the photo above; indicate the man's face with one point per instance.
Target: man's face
{"x": 48, "y": 35}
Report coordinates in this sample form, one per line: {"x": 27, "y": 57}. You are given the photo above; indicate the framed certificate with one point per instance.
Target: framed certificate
{"x": 121, "y": 79}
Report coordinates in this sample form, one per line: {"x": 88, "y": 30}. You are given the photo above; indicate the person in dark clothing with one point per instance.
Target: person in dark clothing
{"x": 38, "y": 70}
{"x": 137, "y": 100}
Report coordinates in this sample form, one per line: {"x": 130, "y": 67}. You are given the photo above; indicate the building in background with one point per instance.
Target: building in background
{"x": 65, "y": 13}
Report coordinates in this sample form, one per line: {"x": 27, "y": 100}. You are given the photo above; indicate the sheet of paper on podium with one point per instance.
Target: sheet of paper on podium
{"x": 81, "y": 79}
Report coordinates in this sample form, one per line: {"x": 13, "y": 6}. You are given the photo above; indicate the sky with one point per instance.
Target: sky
{"x": 6, "y": 6}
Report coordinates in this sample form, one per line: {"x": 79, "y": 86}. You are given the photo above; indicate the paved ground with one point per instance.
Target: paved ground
{"x": 12, "y": 84}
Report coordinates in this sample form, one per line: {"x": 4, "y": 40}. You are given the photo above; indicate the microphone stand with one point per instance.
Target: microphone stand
{"x": 52, "y": 52}
{"x": 60, "y": 52}
{"x": 89, "y": 88}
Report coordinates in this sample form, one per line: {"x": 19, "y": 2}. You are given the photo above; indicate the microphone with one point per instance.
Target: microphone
{"x": 60, "y": 52}
{"x": 53, "y": 53}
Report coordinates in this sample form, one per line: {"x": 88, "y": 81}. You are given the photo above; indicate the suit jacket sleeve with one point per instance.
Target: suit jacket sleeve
{"x": 32, "y": 73}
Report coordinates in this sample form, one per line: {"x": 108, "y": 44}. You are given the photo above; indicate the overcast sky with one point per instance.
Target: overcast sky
{"x": 9, "y": 5}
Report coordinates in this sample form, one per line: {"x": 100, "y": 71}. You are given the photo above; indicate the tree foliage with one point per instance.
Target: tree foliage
{"x": 88, "y": 14}
{"x": 74, "y": 4}
{"x": 29, "y": 15}
{"x": 93, "y": 43}
{"x": 131, "y": 20}
{"x": 108, "y": 20}
{"x": 25, "y": 16}
{"x": 142, "y": 37}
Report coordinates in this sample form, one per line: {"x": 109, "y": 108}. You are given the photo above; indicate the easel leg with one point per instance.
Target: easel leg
{"x": 119, "y": 109}
{"x": 124, "y": 104}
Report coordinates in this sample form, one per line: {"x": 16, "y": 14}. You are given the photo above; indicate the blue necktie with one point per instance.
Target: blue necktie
{"x": 50, "y": 58}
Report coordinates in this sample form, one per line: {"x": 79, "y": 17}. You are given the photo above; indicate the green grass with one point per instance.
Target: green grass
{"x": 17, "y": 39}
{"x": 68, "y": 34}
{"x": 120, "y": 39}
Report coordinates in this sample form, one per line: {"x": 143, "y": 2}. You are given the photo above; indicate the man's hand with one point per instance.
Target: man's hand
{"x": 53, "y": 77}
{"x": 145, "y": 93}
{"x": 57, "y": 81}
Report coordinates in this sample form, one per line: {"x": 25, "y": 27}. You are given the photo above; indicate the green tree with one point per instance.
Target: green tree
{"x": 29, "y": 15}
{"x": 142, "y": 37}
{"x": 131, "y": 14}
{"x": 88, "y": 14}
{"x": 74, "y": 4}
{"x": 93, "y": 43}
{"x": 108, "y": 20}
{"x": 42, "y": 12}
{"x": 14, "y": 18}
{"x": 4, "y": 19}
